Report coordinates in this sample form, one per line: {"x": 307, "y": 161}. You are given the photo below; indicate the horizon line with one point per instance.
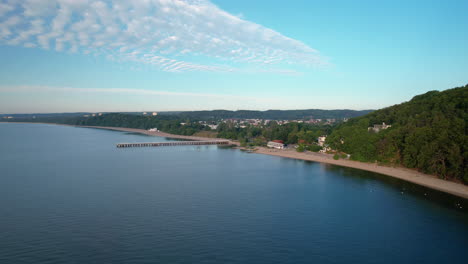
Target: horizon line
{"x": 168, "y": 111}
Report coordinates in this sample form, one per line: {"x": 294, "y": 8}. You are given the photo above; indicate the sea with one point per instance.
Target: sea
{"x": 69, "y": 195}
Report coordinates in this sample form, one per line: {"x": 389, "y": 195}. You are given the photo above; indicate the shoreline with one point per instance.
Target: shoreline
{"x": 426, "y": 180}
{"x": 409, "y": 175}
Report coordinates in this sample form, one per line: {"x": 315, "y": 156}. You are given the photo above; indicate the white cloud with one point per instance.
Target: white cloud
{"x": 5, "y": 8}
{"x": 173, "y": 35}
{"x": 145, "y": 92}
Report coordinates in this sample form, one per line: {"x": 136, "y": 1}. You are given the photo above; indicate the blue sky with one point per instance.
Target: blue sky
{"x": 159, "y": 55}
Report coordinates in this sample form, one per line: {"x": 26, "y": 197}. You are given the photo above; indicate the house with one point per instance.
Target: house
{"x": 276, "y": 145}
{"x": 153, "y": 130}
{"x": 377, "y": 128}
{"x": 321, "y": 140}
{"x": 155, "y": 114}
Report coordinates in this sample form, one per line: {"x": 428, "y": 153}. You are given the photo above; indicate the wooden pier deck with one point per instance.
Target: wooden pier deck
{"x": 173, "y": 143}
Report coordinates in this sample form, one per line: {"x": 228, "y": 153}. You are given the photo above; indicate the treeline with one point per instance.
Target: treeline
{"x": 225, "y": 114}
{"x": 169, "y": 124}
{"x": 272, "y": 114}
{"x": 290, "y": 133}
{"x": 428, "y": 133}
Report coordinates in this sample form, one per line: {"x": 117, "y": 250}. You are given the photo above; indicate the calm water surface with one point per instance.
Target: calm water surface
{"x": 68, "y": 195}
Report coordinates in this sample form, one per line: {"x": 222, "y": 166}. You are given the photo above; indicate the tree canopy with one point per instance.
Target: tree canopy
{"x": 428, "y": 133}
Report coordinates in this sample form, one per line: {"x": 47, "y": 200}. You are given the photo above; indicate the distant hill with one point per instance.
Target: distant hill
{"x": 428, "y": 133}
{"x": 273, "y": 114}
{"x": 213, "y": 115}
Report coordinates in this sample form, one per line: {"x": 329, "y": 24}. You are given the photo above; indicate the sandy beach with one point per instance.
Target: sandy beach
{"x": 409, "y": 175}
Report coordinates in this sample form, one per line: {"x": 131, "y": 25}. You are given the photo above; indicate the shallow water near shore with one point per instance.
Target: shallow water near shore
{"x": 68, "y": 195}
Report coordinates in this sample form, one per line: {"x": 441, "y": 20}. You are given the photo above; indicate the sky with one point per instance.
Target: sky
{"x": 171, "y": 55}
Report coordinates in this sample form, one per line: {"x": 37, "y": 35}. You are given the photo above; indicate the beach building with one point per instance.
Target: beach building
{"x": 276, "y": 145}
{"x": 321, "y": 140}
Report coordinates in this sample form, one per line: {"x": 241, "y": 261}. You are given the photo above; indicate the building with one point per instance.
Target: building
{"x": 276, "y": 145}
{"x": 153, "y": 130}
{"x": 377, "y": 128}
{"x": 155, "y": 114}
{"x": 321, "y": 140}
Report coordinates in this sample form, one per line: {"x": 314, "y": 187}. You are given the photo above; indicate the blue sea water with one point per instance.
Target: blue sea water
{"x": 68, "y": 195}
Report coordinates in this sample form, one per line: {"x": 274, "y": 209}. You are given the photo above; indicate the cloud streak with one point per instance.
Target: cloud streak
{"x": 125, "y": 91}
{"x": 171, "y": 35}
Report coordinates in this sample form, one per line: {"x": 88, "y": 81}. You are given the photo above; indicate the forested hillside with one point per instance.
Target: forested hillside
{"x": 428, "y": 133}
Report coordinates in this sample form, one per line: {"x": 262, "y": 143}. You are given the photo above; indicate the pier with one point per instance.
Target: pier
{"x": 173, "y": 143}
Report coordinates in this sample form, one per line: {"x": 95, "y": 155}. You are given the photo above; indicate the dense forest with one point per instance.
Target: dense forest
{"x": 428, "y": 133}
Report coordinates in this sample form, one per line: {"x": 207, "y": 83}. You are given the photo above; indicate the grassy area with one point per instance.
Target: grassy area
{"x": 208, "y": 134}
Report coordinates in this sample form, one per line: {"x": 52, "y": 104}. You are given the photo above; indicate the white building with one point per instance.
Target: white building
{"x": 155, "y": 114}
{"x": 321, "y": 140}
{"x": 377, "y": 128}
{"x": 153, "y": 130}
{"x": 325, "y": 150}
{"x": 275, "y": 145}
